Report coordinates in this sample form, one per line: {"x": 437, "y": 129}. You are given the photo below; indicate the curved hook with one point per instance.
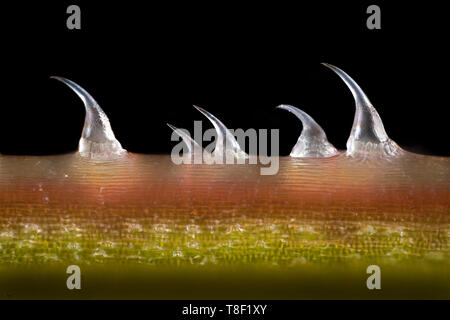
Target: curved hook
{"x": 368, "y": 135}
{"x": 313, "y": 142}
{"x": 225, "y": 143}
{"x": 97, "y": 139}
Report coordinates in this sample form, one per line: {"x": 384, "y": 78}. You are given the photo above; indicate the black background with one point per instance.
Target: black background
{"x": 146, "y": 64}
{"x": 119, "y": 309}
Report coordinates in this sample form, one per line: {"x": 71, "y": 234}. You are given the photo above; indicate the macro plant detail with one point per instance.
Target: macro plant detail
{"x": 103, "y": 206}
